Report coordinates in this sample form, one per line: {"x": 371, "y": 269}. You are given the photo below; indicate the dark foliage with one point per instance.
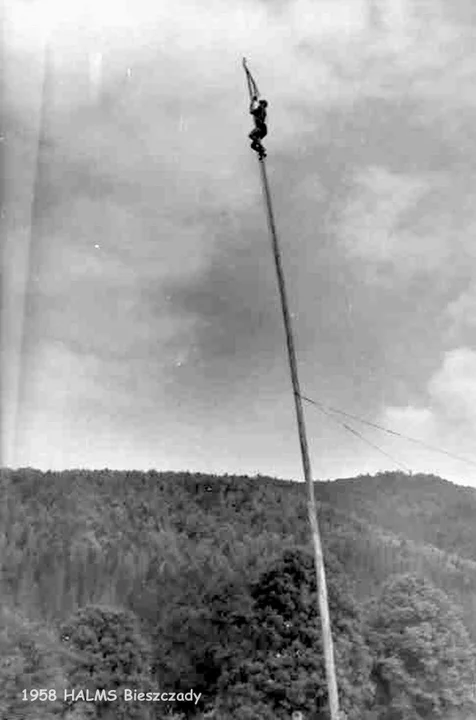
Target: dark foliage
{"x": 111, "y": 655}
{"x": 279, "y": 663}
{"x": 423, "y": 658}
{"x": 201, "y": 563}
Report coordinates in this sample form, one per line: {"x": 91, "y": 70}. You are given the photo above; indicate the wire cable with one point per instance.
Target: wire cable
{"x": 321, "y": 406}
{"x": 352, "y": 430}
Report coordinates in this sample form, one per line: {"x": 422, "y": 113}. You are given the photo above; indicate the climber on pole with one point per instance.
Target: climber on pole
{"x": 258, "y": 111}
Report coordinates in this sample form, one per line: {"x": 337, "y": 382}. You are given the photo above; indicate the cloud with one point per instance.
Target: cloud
{"x": 451, "y": 399}
{"x": 372, "y": 226}
{"x": 331, "y": 51}
{"x": 447, "y": 422}
{"x": 416, "y": 421}
{"x": 151, "y": 275}
{"x": 460, "y": 316}
{"x": 453, "y": 387}
{"x": 402, "y": 226}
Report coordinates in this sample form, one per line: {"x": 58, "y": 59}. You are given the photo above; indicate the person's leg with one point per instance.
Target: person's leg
{"x": 254, "y": 137}
{"x": 263, "y": 131}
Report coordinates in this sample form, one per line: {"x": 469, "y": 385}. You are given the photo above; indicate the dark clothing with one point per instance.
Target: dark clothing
{"x": 256, "y": 136}
{"x": 260, "y": 130}
{"x": 259, "y": 113}
{"x": 258, "y": 133}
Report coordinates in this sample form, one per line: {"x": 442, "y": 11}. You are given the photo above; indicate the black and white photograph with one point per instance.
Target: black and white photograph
{"x": 238, "y": 360}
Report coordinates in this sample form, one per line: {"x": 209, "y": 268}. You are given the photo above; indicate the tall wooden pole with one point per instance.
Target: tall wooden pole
{"x": 323, "y": 602}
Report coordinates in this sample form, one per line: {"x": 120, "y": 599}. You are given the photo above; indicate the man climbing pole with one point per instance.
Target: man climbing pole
{"x": 258, "y": 111}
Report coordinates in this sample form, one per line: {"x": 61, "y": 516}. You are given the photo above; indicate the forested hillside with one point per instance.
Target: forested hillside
{"x": 423, "y": 508}
{"x": 185, "y": 581}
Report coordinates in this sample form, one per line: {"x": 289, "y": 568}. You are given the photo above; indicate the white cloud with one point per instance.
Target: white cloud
{"x": 451, "y": 400}
{"x": 447, "y": 423}
{"x": 295, "y": 48}
{"x": 412, "y": 420}
{"x": 453, "y": 387}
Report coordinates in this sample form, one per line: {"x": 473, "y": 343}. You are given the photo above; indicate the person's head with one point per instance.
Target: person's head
{"x": 263, "y": 103}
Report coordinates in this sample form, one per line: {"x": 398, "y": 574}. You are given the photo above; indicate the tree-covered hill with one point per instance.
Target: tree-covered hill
{"x": 179, "y": 552}
{"x": 422, "y": 508}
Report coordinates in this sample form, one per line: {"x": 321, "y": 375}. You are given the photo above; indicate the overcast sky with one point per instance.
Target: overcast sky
{"x": 141, "y": 326}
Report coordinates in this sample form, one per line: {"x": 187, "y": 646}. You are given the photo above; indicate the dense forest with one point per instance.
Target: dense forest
{"x": 203, "y": 587}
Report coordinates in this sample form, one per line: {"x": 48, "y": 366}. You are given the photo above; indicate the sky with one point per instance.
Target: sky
{"x": 140, "y": 319}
